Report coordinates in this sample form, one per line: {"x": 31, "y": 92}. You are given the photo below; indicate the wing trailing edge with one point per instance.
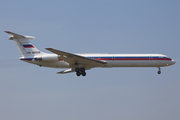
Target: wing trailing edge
{"x": 66, "y": 71}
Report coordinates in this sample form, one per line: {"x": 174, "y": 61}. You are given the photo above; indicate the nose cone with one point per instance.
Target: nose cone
{"x": 172, "y": 62}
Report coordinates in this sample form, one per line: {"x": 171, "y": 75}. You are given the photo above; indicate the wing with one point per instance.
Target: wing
{"x": 74, "y": 59}
{"x": 66, "y": 71}
{"x": 69, "y": 71}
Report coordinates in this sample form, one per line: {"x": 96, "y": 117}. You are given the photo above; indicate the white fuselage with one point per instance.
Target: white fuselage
{"x": 80, "y": 62}
{"x": 112, "y": 60}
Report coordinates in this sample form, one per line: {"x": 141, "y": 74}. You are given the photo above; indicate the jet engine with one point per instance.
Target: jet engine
{"x": 45, "y": 58}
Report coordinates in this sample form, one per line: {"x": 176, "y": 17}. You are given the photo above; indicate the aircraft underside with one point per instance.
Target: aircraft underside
{"x": 81, "y": 69}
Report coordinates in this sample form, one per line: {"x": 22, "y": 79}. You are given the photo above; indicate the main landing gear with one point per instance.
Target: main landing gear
{"x": 80, "y": 71}
{"x": 159, "y": 72}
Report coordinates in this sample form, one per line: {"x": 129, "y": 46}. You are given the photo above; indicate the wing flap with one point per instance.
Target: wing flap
{"x": 69, "y": 71}
{"x": 66, "y": 71}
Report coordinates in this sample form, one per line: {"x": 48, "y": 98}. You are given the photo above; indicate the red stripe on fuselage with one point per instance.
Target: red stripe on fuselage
{"x": 28, "y": 46}
{"x": 26, "y": 59}
{"x": 161, "y": 59}
{"x": 133, "y": 59}
{"x": 103, "y": 58}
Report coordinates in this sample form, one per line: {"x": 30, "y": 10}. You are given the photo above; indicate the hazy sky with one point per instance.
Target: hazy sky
{"x": 29, "y": 92}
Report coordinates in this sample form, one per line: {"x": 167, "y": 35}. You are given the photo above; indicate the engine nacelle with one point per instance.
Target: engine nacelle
{"x": 47, "y": 58}
{"x": 38, "y": 59}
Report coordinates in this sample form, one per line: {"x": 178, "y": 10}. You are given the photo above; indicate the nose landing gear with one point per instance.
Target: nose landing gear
{"x": 159, "y": 72}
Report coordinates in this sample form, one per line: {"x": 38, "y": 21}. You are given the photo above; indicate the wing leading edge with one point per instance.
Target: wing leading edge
{"x": 75, "y": 60}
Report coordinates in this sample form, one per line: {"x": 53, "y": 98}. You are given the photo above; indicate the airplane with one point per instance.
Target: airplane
{"x": 79, "y": 63}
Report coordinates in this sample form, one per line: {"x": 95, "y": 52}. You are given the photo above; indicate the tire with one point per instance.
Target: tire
{"x": 159, "y": 72}
{"x": 77, "y": 69}
{"x": 78, "y": 73}
{"x": 82, "y": 69}
{"x": 83, "y": 73}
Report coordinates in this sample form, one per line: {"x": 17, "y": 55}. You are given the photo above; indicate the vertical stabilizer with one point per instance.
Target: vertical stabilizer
{"x": 25, "y": 47}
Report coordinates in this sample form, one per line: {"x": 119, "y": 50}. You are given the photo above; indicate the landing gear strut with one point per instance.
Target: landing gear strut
{"x": 80, "y": 71}
{"x": 159, "y": 72}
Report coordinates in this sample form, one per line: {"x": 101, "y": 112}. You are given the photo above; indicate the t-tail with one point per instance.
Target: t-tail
{"x": 29, "y": 53}
{"x": 25, "y": 47}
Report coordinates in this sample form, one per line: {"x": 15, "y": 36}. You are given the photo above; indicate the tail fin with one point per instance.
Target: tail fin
{"x": 25, "y": 47}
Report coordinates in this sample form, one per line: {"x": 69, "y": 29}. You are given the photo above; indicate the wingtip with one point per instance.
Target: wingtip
{"x": 60, "y": 72}
{"x": 7, "y": 31}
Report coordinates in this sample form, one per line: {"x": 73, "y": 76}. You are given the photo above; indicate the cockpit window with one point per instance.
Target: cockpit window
{"x": 168, "y": 58}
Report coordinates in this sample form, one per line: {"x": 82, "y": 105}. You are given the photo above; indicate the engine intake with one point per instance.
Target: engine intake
{"x": 38, "y": 59}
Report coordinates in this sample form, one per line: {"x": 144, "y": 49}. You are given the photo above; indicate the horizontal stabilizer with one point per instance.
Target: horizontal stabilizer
{"x": 16, "y": 36}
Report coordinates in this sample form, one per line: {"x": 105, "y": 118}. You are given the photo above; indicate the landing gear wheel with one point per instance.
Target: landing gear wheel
{"x": 82, "y": 69}
{"x": 77, "y": 69}
{"x": 159, "y": 72}
{"x": 78, "y": 73}
{"x": 83, "y": 73}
